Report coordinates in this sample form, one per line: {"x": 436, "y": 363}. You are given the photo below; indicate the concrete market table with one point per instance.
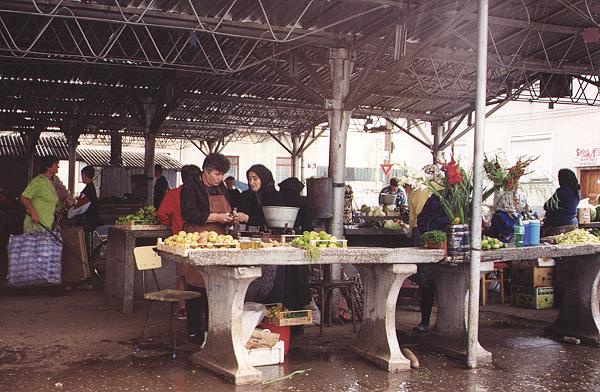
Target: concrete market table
{"x": 229, "y": 272}
{"x": 579, "y": 314}
{"x": 120, "y": 265}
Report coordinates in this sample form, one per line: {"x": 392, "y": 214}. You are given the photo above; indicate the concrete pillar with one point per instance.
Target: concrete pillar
{"x": 116, "y": 150}
{"x": 30, "y": 140}
{"x": 149, "y": 107}
{"x": 295, "y": 156}
{"x": 339, "y": 118}
{"x": 302, "y": 167}
{"x": 438, "y": 134}
{"x": 72, "y": 143}
{"x": 149, "y": 147}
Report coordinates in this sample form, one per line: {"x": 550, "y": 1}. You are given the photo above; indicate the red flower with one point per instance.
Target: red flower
{"x": 453, "y": 174}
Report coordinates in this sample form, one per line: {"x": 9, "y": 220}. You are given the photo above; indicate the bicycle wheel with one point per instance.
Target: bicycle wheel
{"x": 99, "y": 255}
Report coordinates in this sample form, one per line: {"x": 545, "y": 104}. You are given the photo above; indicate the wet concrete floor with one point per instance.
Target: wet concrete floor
{"x": 76, "y": 343}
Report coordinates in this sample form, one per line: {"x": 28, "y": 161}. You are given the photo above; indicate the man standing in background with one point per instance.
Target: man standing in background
{"x": 161, "y": 186}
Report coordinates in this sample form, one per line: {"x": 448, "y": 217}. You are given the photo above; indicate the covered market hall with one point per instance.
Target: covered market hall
{"x": 211, "y": 73}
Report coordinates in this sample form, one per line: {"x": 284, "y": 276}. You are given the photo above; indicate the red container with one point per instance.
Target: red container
{"x": 284, "y": 333}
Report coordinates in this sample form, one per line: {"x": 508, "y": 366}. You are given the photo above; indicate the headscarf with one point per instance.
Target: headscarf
{"x": 505, "y": 201}
{"x": 267, "y": 183}
{"x": 290, "y": 189}
{"x": 566, "y": 178}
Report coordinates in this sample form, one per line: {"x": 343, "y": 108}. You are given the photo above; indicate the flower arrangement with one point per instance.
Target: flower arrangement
{"x": 503, "y": 177}
{"x": 455, "y": 191}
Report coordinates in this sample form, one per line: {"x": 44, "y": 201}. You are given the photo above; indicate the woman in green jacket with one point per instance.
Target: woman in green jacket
{"x": 40, "y": 198}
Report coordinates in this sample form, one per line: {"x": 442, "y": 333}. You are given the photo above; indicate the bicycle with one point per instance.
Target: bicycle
{"x": 98, "y": 257}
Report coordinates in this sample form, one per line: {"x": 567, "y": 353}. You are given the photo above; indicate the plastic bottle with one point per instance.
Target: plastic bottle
{"x": 527, "y": 231}
{"x": 519, "y": 232}
{"x": 534, "y": 232}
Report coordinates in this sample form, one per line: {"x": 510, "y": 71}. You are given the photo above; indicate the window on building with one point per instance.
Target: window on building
{"x": 283, "y": 169}
{"x": 352, "y": 173}
{"x": 234, "y": 169}
{"x": 533, "y": 145}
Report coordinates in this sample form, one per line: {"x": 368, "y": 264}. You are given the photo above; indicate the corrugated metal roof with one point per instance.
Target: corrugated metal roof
{"x": 11, "y": 145}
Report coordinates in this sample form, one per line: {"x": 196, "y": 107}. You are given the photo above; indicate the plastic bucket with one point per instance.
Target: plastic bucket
{"x": 526, "y": 236}
{"x": 458, "y": 239}
{"x": 534, "y": 232}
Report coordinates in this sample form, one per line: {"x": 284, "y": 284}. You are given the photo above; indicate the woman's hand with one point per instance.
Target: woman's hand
{"x": 224, "y": 217}
{"x": 34, "y": 216}
{"x": 240, "y": 217}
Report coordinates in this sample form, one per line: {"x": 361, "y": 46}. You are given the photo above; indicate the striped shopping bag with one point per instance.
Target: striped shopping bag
{"x": 34, "y": 259}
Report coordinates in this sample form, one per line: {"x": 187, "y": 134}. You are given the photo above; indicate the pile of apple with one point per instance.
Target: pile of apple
{"x": 205, "y": 239}
{"x": 304, "y": 240}
{"x": 488, "y": 243}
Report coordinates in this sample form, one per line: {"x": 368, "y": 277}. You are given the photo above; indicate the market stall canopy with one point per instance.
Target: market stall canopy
{"x": 221, "y": 68}
{"x": 12, "y": 146}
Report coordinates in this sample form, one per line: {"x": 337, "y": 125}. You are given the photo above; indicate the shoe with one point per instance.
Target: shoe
{"x": 182, "y": 314}
{"x": 196, "y": 338}
{"x": 421, "y": 328}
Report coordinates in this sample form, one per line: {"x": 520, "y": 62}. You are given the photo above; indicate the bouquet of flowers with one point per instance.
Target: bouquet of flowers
{"x": 503, "y": 177}
{"x": 455, "y": 191}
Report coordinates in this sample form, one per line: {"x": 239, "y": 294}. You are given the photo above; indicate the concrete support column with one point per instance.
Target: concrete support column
{"x": 149, "y": 153}
{"x": 116, "y": 150}
{"x": 296, "y": 156}
{"x": 377, "y": 340}
{"x": 438, "y": 135}
{"x": 149, "y": 107}
{"x": 579, "y": 315}
{"x": 30, "y": 140}
{"x": 224, "y": 352}
{"x": 449, "y": 334}
{"x": 72, "y": 142}
{"x": 340, "y": 65}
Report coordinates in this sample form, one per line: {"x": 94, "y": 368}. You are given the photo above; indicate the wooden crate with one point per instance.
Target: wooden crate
{"x": 142, "y": 225}
{"x": 288, "y": 318}
{"x": 186, "y": 251}
{"x": 75, "y": 267}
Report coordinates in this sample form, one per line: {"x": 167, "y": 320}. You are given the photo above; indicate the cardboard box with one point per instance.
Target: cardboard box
{"x": 532, "y": 276}
{"x": 288, "y": 318}
{"x": 532, "y": 297}
{"x": 262, "y": 338}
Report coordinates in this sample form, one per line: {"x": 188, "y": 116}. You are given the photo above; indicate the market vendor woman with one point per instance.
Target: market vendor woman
{"x": 204, "y": 207}
{"x": 40, "y": 198}
{"x": 561, "y": 208}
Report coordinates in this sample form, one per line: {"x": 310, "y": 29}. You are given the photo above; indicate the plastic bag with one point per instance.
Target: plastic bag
{"x": 251, "y": 317}
{"x": 34, "y": 259}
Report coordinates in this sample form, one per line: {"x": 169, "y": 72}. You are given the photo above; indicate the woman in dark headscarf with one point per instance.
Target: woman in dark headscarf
{"x": 261, "y": 192}
{"x": 290, "y": 190}
{"x": 561, "y": 208}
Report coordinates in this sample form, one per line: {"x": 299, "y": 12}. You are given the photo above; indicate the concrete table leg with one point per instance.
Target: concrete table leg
{"x": 449, "y": 335}
{"x": 579, "y": 315}
{"x": 224, "y": 352}
{"x": 377, "y": 340}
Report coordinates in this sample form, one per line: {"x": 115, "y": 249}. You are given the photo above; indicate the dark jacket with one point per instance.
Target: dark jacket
{"x": 90, "y": 219}
{"x": 290, "y": 190}
{"x": 235, "y": 197}
{"x": 432, "y": 217}
{"x": 565, "y": 213}
{"x": 161, "y": 186}
{"x": 251, "y": 206}
{"x": 195, "y": 207}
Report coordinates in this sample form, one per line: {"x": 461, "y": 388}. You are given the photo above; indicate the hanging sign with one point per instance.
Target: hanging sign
{"x": 386, "y": 168}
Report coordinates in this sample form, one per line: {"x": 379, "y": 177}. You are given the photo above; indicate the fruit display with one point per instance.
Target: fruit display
{"x": 146, "y": 215}
{"x": 323, "y": 240}
{"x": 312, "y": 242}
{"x": 205, "y": 239}
{"x": 372, "y": 211}
{"x": 488, "y": 243}
{"x": 577, "y": 236}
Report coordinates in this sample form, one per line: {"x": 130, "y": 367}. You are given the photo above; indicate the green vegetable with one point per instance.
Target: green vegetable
{"x": 433, "y": 237}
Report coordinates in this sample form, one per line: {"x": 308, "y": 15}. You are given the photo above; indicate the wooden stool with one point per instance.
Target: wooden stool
{"x": 497, "y": 275}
